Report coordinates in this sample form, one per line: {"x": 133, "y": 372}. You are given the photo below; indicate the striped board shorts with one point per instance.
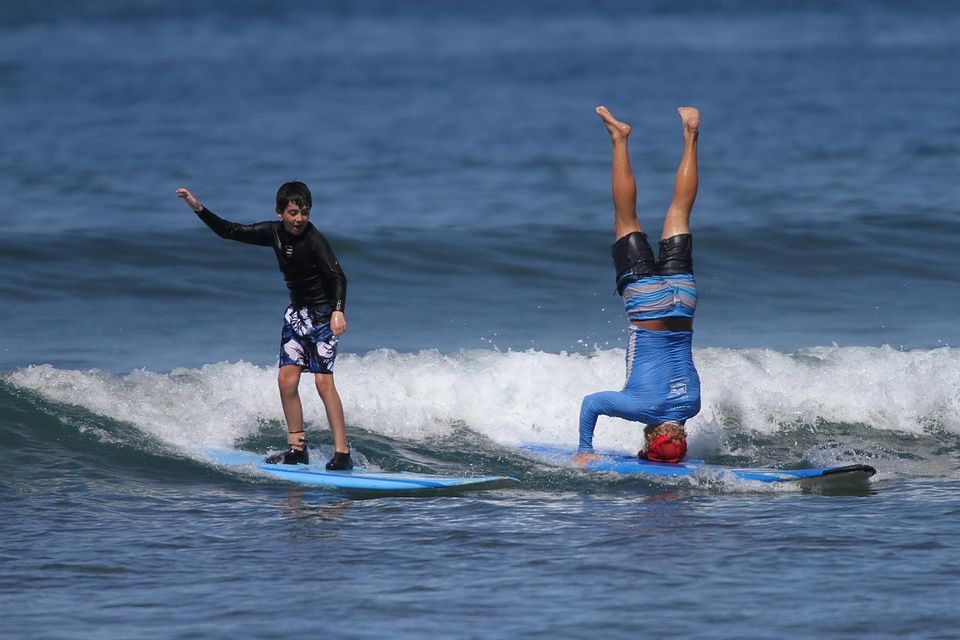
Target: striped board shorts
{"x": 662, "y": 287}
{"x": 657, "y": 296}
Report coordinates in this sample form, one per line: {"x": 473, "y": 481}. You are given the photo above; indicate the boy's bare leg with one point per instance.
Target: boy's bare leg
{"x": 624, "y": 185}
{"x": 288, "y": 379}
{"x": 677, "y": 220}
{"x": 334, "y": 409}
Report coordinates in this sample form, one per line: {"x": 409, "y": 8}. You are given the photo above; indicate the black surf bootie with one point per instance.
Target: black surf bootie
{"x": 340, "y": 462}
{"x": 290, "y": 456}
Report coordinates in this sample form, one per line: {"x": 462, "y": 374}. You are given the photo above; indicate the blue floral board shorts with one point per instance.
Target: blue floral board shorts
{"x": 307, "y": 340}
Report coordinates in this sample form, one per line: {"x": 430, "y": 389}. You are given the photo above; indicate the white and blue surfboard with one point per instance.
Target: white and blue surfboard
{"x": 359, "y": 479}
{"x": 625, "y": 464}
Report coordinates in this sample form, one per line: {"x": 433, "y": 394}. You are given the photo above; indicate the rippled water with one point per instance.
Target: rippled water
{"x": 463, "y": 180}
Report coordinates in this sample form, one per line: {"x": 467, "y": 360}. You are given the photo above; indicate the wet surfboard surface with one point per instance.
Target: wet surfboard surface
{"x": 358, "y": 479}
{"x": 626, "y": 464}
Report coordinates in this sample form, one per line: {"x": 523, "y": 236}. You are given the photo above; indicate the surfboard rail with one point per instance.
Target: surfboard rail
{"x": 358, "y": 479}
{"x": 625, "y": 464}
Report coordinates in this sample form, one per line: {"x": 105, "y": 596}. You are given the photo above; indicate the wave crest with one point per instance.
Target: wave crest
{"x": 529, "y": 396}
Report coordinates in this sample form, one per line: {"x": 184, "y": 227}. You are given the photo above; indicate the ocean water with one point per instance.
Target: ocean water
{"x": 462, "y": 177}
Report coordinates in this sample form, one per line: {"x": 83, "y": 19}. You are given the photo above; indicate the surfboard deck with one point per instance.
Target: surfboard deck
{"x": 625, "y": 464}
{"x": 359, "y": 479}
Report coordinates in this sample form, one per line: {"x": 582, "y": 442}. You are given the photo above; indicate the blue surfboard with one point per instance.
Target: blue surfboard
{"x": 359, "y": 479}
{"x": 625, "y": 464}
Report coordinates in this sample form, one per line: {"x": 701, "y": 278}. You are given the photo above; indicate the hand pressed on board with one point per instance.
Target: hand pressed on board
{"x": 189, "y": 198}
{"x": 584, "y": 458}
{"x": 338, "y": 323}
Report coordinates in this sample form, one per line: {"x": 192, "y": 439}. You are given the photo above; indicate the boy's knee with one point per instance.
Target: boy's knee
{"x": 324, "y": 382}
{"x": 288, "y": 381}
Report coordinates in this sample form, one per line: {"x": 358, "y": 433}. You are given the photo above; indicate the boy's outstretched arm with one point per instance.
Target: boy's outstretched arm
{"x": 190, "y": 199}
{"x": 258, "y": 234}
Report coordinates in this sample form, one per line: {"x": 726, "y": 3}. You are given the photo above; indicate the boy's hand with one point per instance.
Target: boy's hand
{"x": 189, "y": 199}
{"x": 338, "y": 323}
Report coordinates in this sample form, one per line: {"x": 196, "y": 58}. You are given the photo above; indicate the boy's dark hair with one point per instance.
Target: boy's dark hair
{"x": 295, "y": 192}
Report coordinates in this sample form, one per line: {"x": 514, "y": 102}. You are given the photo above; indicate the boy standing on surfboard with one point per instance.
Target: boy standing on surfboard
{"x": 314, "y": 321}
{"x": 660, "y": 296}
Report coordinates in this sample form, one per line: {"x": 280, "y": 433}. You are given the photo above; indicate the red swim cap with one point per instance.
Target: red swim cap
{"x": 665, "y": 449}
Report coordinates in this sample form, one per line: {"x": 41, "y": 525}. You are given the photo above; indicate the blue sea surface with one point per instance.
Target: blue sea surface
{"x": 462, "y": 177}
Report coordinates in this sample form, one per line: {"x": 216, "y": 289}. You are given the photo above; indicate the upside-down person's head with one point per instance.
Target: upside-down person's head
{"x": 293, "y": 206}
{"x": 666, "y": 442}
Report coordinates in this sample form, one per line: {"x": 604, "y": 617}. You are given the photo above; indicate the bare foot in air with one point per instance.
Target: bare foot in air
{"x": 617, "y": 129}
{"x": 690, "y": 117}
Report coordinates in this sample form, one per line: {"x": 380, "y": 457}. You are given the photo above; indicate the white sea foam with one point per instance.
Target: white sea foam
{"x": 887, "y": 389}
{"x": 531, "y": 396}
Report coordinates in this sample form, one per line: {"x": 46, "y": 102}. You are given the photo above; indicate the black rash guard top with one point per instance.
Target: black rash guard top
{"x": 310, "y": 269}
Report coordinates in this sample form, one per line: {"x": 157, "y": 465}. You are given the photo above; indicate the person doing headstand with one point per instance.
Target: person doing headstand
{"x": 662, "y": 389}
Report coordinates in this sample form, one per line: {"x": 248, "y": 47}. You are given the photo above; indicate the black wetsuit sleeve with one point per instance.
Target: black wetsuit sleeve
{"x": 260, "y": 233}
{"x": 333, "y": 279}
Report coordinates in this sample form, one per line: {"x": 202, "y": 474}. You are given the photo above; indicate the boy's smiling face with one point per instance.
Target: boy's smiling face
{"x": 295, "y": 218}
